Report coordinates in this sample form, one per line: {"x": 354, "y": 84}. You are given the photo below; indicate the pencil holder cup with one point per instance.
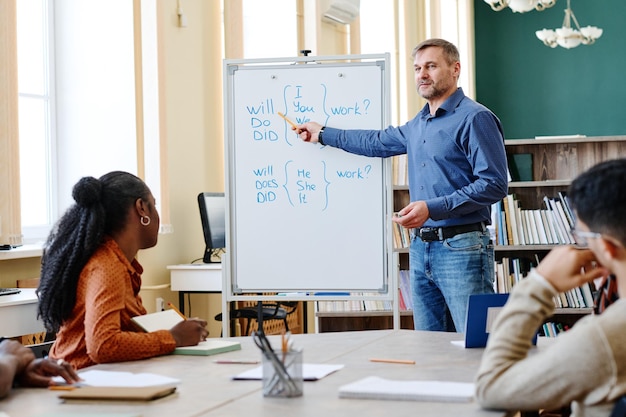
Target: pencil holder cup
{"x": 282, "y": 374}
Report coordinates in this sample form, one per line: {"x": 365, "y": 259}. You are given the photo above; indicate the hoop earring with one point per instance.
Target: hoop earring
{"x": 145, "y": 222}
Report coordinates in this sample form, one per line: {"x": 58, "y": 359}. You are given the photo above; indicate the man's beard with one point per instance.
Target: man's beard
{"x": 431, "y": 91}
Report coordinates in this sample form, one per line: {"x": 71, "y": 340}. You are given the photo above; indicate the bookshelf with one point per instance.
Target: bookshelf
{"x": 556, "y": 161}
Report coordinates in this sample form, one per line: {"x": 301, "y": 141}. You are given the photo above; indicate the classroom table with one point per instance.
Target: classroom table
{"x": 207, "y": 388}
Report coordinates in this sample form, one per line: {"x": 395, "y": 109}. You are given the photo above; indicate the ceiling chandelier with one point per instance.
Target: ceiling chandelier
{"x": 569, "y": 37}
{"x": 520, "y": 6}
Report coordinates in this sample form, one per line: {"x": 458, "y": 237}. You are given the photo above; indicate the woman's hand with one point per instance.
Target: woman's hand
{"x": 39, "y": 372}
{"x": 190, "y": 332}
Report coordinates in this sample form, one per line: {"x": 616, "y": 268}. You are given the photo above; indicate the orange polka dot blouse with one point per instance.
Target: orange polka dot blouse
{"x": 100, "y": 328}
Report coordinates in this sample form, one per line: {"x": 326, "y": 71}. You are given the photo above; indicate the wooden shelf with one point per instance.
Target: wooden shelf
{"x": 348, "y": 321}
{"x": 573, "y": 311}
{"x": 522, "y": 248}
{"x": 556, "y": 161}
{"x": 564, "y": 140}
{"x": 542, "y": 184}
{"x": 376, "y": 313}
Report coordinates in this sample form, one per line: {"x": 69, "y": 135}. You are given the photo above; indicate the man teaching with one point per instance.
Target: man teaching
{"x": 457, "y": 170}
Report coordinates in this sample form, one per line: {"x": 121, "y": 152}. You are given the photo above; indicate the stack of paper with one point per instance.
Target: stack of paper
{"x": 97, "y": 378}
{"x": 208, "y": 347}
{"x": 377, "y": 388}
{"x": 310, "y": 372}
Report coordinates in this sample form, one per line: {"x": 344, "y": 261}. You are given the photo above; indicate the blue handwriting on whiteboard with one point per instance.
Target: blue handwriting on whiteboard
{"x": 359, "y": 173}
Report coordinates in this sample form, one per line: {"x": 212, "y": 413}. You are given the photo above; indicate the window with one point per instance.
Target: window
{"x": 35, "y": 117}
{"x": 380, "y": 15}
{"x": 88, "y": 126}
{"x": 269, "y": 31}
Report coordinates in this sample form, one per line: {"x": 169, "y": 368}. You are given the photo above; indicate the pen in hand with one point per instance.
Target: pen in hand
{"x": 293, "y": 125}
{"x": 173, "y": 307}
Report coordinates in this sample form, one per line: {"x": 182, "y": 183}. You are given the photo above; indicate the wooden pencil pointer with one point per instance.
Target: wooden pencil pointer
{"x": 295, "y": 127}
{"x": 403, "y": 361}
{"x": 173, "y": 307}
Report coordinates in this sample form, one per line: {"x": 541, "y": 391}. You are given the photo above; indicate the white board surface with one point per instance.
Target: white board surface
{"x": 305, "y": 217}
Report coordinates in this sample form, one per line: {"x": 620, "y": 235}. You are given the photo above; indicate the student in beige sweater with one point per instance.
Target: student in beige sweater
{"x": 585, "y": 367}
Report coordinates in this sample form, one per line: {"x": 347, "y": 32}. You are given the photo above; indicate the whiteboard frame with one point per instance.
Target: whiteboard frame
{"x": 389, "y": 289}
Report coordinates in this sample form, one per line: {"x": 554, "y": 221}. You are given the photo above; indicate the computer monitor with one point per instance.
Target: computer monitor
{"x": 213, "y": 216}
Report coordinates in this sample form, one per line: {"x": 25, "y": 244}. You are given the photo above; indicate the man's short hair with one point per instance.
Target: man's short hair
{"x": 450, "y": 51}
{"x": 598, "y": 198}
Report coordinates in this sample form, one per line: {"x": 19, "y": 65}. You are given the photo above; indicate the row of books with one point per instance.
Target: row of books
{"x": 510, "y": 271}
{"x": 355, "y": 304}
{"x": 551, "y": 225}
{"x": 400, "y": 172}
{"x": 405, "y": 302}
{"x": 551, "y": 329}
{"x": 401, "y": 236}
{"x": 404, "y": 286}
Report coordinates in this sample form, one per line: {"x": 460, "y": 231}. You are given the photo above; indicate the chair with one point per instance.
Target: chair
{"x": 41, "y": 350}
{"x": 271, "y": 311}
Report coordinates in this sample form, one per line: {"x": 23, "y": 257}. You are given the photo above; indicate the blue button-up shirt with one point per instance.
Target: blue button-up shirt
{"x": 456, "y": 158}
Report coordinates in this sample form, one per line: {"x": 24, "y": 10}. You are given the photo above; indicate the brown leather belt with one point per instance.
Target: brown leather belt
{"x": 431, "y": 234}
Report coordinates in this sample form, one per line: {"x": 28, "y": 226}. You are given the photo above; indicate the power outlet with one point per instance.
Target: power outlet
{"x": 160, "y": 304}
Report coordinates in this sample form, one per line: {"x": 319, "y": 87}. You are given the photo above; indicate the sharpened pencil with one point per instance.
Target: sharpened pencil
{"x": 403, "y": 361}
{"x": 288, "y": 121}
{"x": 173, "y": 307}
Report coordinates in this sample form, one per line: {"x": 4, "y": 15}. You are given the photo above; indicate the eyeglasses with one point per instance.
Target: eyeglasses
{"x": 581, "y": 237}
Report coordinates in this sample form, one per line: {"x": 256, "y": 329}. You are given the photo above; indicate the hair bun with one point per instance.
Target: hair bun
{"x": 87, "y": 191}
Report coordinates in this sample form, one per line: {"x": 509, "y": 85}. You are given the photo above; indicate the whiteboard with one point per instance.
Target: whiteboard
{"x": 302, "y": 216}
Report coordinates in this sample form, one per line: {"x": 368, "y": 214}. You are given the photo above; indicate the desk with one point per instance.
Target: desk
{"x": 195, "y": 278}
{"x": 19, "y": 314}
{"x": 207, "y": 390}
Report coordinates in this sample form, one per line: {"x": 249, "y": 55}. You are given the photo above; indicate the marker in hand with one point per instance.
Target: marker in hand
{"x": 295, "y": 127}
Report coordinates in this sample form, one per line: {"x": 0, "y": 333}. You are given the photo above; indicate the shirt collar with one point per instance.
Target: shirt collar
{"x": 448, "y": 106}
{"x": 133, "y": 267}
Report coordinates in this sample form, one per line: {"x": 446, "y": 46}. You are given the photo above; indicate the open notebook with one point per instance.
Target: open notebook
{"x": 165, "y": 320}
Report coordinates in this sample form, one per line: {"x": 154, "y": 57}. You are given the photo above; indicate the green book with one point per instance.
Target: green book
{"x": 521, "y": 166}
{"x": 208, "y": 347}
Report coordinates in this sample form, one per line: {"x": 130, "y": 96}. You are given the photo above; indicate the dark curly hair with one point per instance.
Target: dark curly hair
{"x": 598, "y": 197}
{"x": 101, "y": 209}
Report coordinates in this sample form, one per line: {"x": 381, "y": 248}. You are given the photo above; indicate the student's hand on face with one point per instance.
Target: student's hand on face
{"x": 567, "y": 267}
{"x": 39, "y": 373}
{"x": 190, "y": 332}
{"x": 413, "y": 215}
{"x": 22, "y": 354}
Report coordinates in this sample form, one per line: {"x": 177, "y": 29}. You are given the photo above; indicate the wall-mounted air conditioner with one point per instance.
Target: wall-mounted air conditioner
{"x": 340, "y": 11}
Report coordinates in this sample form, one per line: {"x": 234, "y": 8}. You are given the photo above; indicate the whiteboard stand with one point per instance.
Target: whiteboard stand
{"x": 305, "y": 218}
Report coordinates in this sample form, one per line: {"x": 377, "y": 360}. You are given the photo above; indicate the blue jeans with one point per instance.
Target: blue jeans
{"x": 444, "y": 274}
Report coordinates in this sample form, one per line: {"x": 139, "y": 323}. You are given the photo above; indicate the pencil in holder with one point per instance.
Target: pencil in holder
{"x": 282, "y": 373}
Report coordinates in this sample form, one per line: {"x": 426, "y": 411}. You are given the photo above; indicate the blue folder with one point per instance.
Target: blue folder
{"x": 476, "y": 331}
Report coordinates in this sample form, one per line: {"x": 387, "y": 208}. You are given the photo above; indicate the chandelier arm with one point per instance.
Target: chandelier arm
{"x": 574, "y": 19}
